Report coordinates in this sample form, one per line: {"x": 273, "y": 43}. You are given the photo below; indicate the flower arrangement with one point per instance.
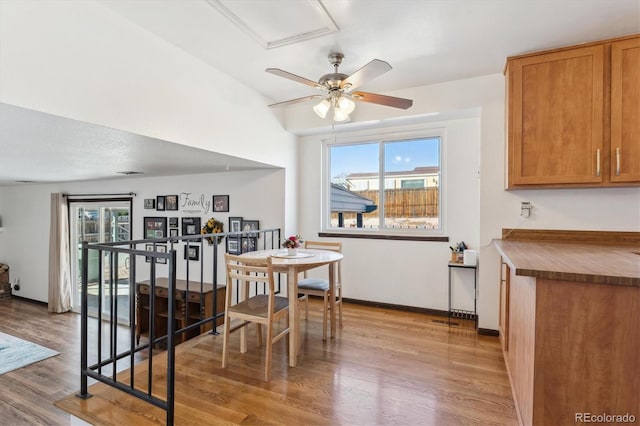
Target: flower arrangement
{"x": 213, "y": 227}
{"x": 292, "y": 242}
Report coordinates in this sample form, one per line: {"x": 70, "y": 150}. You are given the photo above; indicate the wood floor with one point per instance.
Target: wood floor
{"x": 384, "y": 367}
{"x": 27, "y": 394}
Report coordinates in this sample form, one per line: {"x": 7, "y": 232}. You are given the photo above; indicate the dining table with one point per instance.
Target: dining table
{"x": 292, "y": 265}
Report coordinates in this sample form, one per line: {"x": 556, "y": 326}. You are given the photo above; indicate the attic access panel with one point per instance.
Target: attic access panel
{"x": 278, "y": 23}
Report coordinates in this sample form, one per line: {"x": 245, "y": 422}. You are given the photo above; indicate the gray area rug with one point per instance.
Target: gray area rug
{"x": 16, "y": 353}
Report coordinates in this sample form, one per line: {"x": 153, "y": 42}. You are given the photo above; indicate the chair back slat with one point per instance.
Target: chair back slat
{"x": 243, "y": 275}
{"x": 324, "y": 245}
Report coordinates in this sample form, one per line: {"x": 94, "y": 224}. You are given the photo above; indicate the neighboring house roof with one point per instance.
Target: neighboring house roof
{"x": 424, "y": 170}
{"x": 343, "y": 200}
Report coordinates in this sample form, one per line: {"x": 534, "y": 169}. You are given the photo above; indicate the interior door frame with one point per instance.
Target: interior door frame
{"x": 73, "y": 203}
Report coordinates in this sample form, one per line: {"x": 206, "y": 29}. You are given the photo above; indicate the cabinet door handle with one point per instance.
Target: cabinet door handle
{"x": 617, "y": 161}
{"x": 598, "y": 162}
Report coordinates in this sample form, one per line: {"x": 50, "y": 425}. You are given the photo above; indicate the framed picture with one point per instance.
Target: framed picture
{"x": 233, "y": 245}
{"x": 149, "y": 203}
{"x": 220, "y": 203}
{"x": 148, "y": 247}
{"x": 155, "y": 227}
{"x": 251, "y": 225}
{"x": 235, "y": 224}
{"x": 249, "y": 244}
{"x": 173, "y": 232}
{"x": 160, "y": 200}
{"x": 190, "y": 226}
{"x": 171, "y": 202}
{"x": 192, "y": 252}
{"x": 161, "y": 248}
{"x": 173, "y": 222}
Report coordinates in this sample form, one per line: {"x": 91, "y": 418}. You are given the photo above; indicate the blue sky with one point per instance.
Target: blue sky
{"x": 400, "y": 156}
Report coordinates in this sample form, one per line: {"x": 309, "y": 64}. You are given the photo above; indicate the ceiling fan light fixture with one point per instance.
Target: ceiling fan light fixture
{"x": 340, "y": 115}
{"x": 346, "y": 105}
{"x": 322, "y": 108}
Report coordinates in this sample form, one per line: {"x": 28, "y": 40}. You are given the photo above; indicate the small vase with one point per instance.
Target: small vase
{"x": 292, "y": 252}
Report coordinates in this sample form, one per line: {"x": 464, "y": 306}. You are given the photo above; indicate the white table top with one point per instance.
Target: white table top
{"x": 317, "y": 258}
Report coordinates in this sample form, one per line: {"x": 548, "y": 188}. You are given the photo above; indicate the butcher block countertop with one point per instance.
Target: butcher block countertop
{"x": 568, "y": 261}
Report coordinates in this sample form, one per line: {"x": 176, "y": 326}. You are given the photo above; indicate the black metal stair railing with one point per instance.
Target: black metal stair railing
{"x": 103, "y": 366}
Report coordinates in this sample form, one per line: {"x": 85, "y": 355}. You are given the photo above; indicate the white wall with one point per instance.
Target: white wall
{"x": 24, "y": 242}
{"x": 417, "y": 274}
{"x": 80, "y": 60}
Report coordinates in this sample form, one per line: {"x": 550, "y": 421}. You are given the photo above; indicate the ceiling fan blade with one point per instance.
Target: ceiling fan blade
{"x": 296, "y": 101}
{"x": 375, "y": 98}
{"x": 368, "y": 72}
{"x": 285, "y": 74}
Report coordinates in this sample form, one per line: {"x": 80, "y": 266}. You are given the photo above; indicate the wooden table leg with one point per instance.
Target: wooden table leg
{"x": 294, "y": 329}
{"x": 332, "y": 298}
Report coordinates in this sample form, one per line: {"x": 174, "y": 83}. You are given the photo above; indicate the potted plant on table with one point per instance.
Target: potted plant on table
{"x": 292, "y": 244}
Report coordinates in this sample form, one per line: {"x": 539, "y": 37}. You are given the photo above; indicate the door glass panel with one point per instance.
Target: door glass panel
{"x": 101, "y": 222}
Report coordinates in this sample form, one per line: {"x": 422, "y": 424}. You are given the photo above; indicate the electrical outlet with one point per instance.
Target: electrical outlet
{"x": 525, "y": 209}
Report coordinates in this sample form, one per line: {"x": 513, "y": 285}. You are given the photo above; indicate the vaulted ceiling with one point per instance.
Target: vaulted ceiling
{"x": 424, "y": 41}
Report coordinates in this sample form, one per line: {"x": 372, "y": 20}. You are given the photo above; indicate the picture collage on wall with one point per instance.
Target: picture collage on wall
{"x": 161, "y": 227}
{"x": 162, "y": 203}
{"x": 242, "y": 243}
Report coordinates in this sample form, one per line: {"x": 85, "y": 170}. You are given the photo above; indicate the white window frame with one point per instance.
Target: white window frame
{"x": 381, "y": 137}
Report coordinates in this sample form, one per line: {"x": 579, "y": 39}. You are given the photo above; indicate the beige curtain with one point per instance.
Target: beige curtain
{"x": 59, "y": 261}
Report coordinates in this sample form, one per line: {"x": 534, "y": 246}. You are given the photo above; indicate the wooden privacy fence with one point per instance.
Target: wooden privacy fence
{"x": 406, "y": 202}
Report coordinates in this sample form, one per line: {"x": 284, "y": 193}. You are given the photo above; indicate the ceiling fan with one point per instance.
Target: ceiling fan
{"x": 338, "y": 89}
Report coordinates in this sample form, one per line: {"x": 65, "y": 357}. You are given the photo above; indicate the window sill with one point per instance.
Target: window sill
{"x": 384, "y": 236}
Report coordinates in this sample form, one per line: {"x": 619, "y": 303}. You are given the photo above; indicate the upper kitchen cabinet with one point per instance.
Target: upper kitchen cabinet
{"x": 573, "y": 116}
{"x": 625, "y": 110}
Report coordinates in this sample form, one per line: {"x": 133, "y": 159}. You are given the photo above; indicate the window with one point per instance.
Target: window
{"x": 385, "y": 185}
{"x": 412, "y": 183}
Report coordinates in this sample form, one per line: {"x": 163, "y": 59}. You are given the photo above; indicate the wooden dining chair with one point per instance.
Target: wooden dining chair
{"x": 262, "y": 309}
{"x": 320, "y": 287}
